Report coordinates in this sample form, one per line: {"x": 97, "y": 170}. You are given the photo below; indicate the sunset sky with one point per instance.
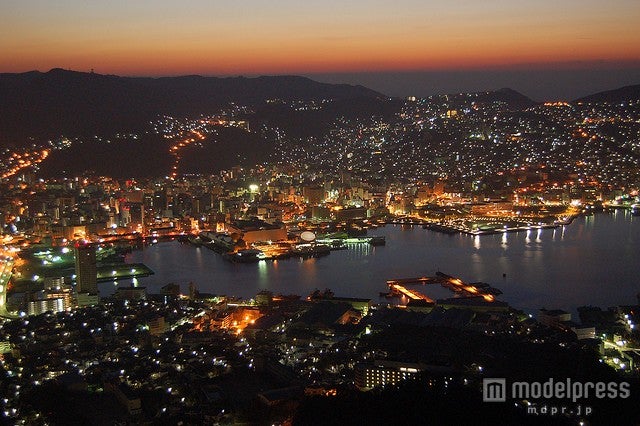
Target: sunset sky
{"x": 328, "y": 37}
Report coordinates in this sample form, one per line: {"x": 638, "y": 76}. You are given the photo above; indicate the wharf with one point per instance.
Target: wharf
{"x": 456, "y": 285}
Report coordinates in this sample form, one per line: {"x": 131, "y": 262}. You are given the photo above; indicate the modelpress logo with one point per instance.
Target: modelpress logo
{"x": 494, "y": 390}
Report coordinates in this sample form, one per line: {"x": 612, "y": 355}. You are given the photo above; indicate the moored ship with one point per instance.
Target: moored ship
{"x": 218, "y": 240}
{"x": 247, "y": 256}
{"x": 310, "y": 250}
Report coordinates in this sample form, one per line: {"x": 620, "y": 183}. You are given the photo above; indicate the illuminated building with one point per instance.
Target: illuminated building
{"x": 86, "y": 274}
{"x": 131, "y": 293}
{"x": 157, "y": 326}
{"x": 55, "y": 298}
{"x": 86, "y": 299}
{"x": 36, "y": 307}
{"x": 257, "y": 230}
{"x": 554, "y": 317}
{"x": 384, "y": 373}
{"x": 5, "y": 347}
{"x": 133, "y": 216}
{"x": 53, "y": 283}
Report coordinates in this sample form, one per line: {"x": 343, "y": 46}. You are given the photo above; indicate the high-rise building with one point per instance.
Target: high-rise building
{"x": 86, "y": 274}
{"x": 136, "y": 216}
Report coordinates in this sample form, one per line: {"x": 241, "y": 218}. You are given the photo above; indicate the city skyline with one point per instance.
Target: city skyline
{"x": 319, "y": 213}
{"x": 414, "y": 48}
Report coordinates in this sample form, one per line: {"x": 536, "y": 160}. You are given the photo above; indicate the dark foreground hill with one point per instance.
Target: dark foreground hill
{"x": 36, "y": 104}
{"x": 149, "y": 156}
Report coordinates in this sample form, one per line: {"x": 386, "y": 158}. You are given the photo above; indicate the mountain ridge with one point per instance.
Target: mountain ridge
{"x": 72, "y": 102}
{"x": 45, "y": 105}
{"x": 621, "y": 94}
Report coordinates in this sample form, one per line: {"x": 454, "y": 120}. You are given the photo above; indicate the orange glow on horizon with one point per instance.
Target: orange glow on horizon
{"x": 165, "y": 38}
{"x": 136, "y": 64}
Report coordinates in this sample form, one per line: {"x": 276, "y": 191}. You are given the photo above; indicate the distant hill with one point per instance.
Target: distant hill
{"x": 515, "y": 100}
{"x": 511, "y": 97}
{"x": 76, "y": 103}
{"x": 623, "y": 94}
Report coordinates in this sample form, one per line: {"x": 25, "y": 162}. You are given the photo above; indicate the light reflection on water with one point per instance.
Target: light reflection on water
{"x": 592, "y": 261}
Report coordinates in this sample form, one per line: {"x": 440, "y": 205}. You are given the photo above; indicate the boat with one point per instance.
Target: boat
{"x": 247, "y": 256}
{"x": 310, "y": 250}
{"x": 217, "y": 240}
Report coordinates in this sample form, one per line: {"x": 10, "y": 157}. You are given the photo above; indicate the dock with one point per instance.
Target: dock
{"x": 411, "y": 294}
{"x": 456, "y": 285}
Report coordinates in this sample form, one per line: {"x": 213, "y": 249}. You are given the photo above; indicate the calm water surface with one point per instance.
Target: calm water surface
{"x": 595, "y": 260}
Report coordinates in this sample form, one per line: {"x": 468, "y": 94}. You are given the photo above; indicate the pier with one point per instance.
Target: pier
{"x": 413, "y": 295}
{"x": 122, "y": 271}
{"x": 456, "y": 285}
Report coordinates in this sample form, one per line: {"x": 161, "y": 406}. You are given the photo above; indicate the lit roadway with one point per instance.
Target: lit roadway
{"x": 6, "y": 265}
{"x": 19, "y": 161}
{"x": 175, "y": 150}
{"x": 621, "y": 348}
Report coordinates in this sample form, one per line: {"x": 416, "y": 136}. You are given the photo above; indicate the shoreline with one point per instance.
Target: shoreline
{"x": 415, "y": 270}
{"x": 450, "y": 229}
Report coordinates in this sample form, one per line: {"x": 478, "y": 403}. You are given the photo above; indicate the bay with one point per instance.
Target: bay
{"x": 593, "y": 261}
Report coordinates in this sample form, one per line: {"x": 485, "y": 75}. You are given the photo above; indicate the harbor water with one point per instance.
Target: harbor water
{"x": 593, "y": 261}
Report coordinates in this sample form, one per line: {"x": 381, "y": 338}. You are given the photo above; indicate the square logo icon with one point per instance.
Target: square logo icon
{"x": 494, "y": 390}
